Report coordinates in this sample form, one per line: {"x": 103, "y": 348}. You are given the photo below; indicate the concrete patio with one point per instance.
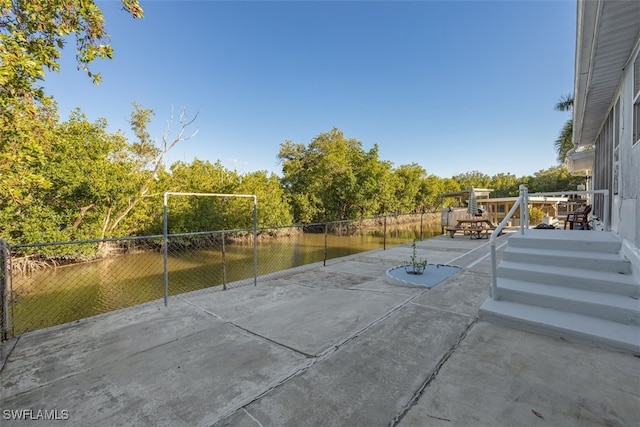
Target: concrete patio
{"x": 319, "y": 346}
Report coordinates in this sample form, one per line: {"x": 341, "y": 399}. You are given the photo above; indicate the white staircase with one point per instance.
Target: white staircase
{"x": 569, "y": 284}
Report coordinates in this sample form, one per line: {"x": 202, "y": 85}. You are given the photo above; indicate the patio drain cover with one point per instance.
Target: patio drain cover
{"x": 433, "y": 275}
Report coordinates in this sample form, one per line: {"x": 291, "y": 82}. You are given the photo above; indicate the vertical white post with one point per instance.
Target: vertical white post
{"x": 523, "y": 207}
{"x": 526, "y": 209}
{"x": 606, "y": 210}
{"x": 493, "y": 293}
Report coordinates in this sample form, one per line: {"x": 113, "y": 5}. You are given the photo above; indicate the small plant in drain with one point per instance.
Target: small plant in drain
{"x": 415, "y": 266}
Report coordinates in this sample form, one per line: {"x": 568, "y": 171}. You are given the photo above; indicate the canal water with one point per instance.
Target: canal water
{"x": 65, "y": 294}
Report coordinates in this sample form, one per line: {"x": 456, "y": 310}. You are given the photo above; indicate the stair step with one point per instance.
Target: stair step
{"x": 598, "y": 261}
{"x": 597, "y": 281}
{"x": 570, "y": 326}
{"x": 616, "y": 308}
{"x": 570, "y": 240}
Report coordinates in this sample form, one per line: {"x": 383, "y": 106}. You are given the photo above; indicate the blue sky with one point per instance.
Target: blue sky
{"x": 454, "y": 86}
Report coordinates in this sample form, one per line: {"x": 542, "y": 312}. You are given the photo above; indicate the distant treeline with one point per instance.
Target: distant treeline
{"x": 87, "y": 183}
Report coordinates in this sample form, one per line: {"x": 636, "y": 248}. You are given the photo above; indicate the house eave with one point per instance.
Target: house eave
{"x": 607, "y": 32}
{"x": 581, "y": 161}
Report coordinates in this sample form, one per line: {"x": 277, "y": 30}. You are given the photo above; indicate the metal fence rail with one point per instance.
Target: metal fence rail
{"x": 47, "y": 284}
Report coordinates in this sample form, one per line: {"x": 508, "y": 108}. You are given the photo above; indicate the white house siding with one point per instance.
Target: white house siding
{"x": 608, "y": 43}
{"x": 627, "y": 209}
{"x": 617, "y": 129}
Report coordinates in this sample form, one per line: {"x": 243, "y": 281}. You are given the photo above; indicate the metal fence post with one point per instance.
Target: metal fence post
{"x": 4, "y": 292}
{"x": 224, "y": 265}
{"x": 324, "y": 262}
{"x": 255, "y": 240}
{"x": 384, "y": 234}
{"x": 165, "y": 253}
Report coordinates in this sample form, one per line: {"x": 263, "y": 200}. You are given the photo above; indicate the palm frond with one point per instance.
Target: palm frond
{"x": 564, "y": 143}
{"x": 565, "y": 103}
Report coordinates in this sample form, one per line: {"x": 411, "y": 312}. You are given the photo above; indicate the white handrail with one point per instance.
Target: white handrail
{"x": 523, "y": 202}
{"x": 498, "y": 230}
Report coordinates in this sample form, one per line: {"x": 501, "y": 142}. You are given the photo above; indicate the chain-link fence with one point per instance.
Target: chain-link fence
{"x": 43, "y": 285}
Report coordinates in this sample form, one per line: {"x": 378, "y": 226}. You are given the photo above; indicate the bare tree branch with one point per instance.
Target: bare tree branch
{"x": 167, "y": 145}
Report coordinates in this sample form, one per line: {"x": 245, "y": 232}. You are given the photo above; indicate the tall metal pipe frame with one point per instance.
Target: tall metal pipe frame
{"x": 165, "y": 233}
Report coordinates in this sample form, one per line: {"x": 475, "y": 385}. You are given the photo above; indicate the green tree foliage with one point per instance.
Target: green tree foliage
{"x": 432, "y": 187}
{"x": 535, "y": 215}
{"x": 32, "y": 36}
{"x": 375, "y": 186}
{"x": 334, "y": 178}
{"x": 274, "y": 209}
{"x": 504, "y": 185}
{"x": 556, "y": 178}
{"x": 472, "y": 179}
{"x": 409, "y": 189}
{"x": 192, "y": 213}
{"x": 188, "y": 213}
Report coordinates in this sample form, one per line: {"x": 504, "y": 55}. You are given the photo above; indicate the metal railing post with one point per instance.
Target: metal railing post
{"x": 493, "y": 292}
{"x": 526, "y": 209}
{"x": 523, "y": 200}
{"x": 606, "y": 209}
{"x": 523, "y": 207}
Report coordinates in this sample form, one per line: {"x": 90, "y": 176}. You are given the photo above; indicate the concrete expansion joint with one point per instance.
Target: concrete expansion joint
{"x": 229, "y": 322}
{"x": 8, "y": 355}
{"x": 283, "y": 379}
{"x": 295, "y": 350}
{"x": 432, "y": 307}
{"x": 252, "y": 417}
{"x": 477, "y": 273}
{"x": 210, "y": 313}
{"x": 353, "y": 336}
{"x": 377, "y": 291}
{"x": 312, "y": 360}
{"x": 420, "y": 391}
